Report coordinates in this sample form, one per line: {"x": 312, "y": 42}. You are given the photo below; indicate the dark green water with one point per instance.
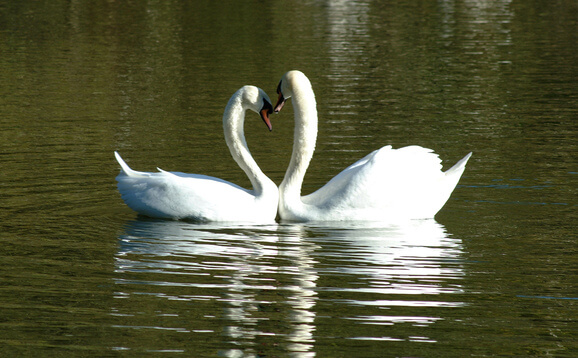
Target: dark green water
{"x": 494, "y": 275}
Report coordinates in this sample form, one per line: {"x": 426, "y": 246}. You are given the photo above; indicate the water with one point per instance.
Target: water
{"x": 494, "y": 274}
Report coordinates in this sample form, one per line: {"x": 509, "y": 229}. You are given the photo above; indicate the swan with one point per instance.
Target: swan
{"x": 175, "y": 195}
{"x": 386, "y": 185}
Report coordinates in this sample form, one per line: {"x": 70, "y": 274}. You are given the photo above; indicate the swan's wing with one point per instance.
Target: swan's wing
{"x": 183, "y": 196}
{"x": 408, "y": 180}
{"x": 340, "y": 183}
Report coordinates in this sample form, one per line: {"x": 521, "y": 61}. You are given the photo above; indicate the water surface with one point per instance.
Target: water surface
{"x": 82, "y": 275}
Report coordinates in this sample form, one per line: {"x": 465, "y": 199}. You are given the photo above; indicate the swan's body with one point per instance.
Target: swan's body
{"x": 172, "y": 195}
{"x": 386, "y": 185}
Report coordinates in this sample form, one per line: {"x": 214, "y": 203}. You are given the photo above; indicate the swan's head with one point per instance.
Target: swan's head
{"x": 258, "y": 101}
{"x": 286, "y": 87}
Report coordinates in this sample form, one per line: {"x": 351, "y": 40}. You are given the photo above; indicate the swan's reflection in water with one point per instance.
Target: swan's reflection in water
{"x": 261, "y": 284}
{"x": 396, "y": 257}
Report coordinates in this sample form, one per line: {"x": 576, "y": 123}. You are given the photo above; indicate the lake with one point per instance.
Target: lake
{"x": 495, "y": 274}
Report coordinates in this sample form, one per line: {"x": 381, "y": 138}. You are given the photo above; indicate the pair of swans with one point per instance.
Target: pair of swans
{"x": 387, "y": 185}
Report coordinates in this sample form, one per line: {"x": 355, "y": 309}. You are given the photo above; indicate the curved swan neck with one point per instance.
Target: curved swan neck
{"x": 305, "y": 136}
{"x": 233, "y": 125}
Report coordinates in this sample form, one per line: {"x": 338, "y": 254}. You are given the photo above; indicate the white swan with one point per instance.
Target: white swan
{"x": 173, "y": 195}
{"x": 387, "y": 185}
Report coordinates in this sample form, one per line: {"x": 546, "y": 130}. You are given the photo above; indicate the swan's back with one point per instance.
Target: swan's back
{"x": 389, "y": 183}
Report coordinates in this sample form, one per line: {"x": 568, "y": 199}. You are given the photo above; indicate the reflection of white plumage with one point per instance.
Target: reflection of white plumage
{"x": 197, "y": 197}
{"x": 387, "y": 185}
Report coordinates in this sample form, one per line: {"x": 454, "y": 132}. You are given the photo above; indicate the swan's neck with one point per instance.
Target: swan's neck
{"x": 233, "y": 125}
{"x": 305, "y": 136}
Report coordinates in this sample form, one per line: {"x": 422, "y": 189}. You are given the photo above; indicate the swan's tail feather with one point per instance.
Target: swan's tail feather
{"x": 126, "y": 169}
{"x": 459, "y": 167}
{"x": 132, "y": 185}
{"x": 453, "y": 175}
{"x": 450, "y": 180}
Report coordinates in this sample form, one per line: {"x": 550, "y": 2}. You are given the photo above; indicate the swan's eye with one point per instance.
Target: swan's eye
{"x": 267, "y": 106}
{"x": 279, "y": 88}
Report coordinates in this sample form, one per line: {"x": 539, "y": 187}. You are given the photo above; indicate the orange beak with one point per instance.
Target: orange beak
{"x": 265, "y": 112}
